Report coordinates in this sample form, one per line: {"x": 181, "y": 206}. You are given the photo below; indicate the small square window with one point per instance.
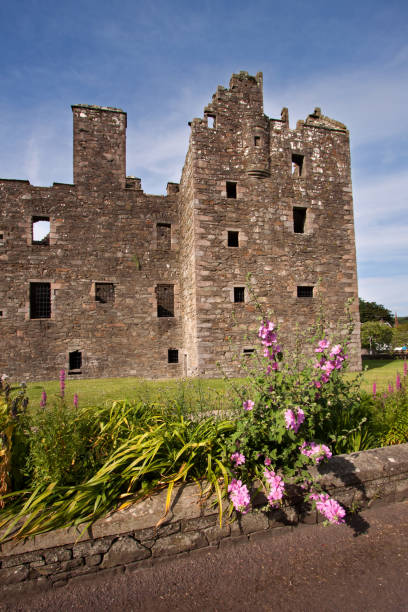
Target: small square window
{"x": 41, "y": 231}
{"x": 1, "y": 313}
{"x": 172, "y": 356}
{"x": 248, "y": 352}
{"x": 297, "y": 165}
{"x": 40, "y": 300}
{"x": 299, "y": 220}
{"x": 305, "y": 291}
{"x": 231, "y": 189}
{"x": 233, "y": 239}
{"x": 239, "y": 294}
{"x": 257, "y": 141}
{"x": 104, "y": 293}
{"x": 1, "y": 239}
{"x": 75, "y": 361}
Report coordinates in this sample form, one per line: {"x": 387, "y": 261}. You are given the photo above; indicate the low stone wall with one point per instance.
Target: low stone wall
{"x": 129, "y": 539}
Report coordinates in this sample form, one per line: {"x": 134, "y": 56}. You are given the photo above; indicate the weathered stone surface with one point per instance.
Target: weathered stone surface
{"x": 24, "y": 558}
{"x": 124, "y": 550}
{"x": 57, "y": 554}
{"x": 11, "y": 575}
{"x": 92, "y": 547}
{"x": 248, "y": 523}
{"x": 59, "y": 537}
{"x": 216, "y": 533}
{"x": 177, "y": 543}
{"x": 93, "y": 560}
{"x": 248, "y": 174}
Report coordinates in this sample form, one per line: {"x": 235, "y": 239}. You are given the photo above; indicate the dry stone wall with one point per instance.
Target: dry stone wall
{"x": 255, "y": 197}
{"x": 130, "y": 539}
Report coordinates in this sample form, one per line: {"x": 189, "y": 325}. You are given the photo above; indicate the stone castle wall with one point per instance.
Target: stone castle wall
{"x": 246, "y": 180}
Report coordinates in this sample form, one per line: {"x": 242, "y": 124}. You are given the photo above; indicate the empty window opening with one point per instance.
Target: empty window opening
{"x": 41, "y": 230}
{"x": 40, "y": 300}
{"x": 299, "y": 220}
{"x": 1, "y": 313}
{"x": 297, "y": 164}
{"x": 163, "y": 231}
{"x": 305, "y": 292}
{"x": 233, "y": 239}
{"x": 1, "y": 239}
{"x": 104, "y": 293}
{"x": 165, "y": 300}
{"x": 248, "y": 352}
{"x": 211, "y": 121}
{"x": 239, "y": 294}
{"x": 231, "y": 190}
{"x": 257, "y": 141}
{"x": 75, "y": 362}
{"x": 172, "y": 356}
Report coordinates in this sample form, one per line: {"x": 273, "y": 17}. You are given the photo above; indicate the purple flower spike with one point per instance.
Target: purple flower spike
{"x": 43, "y": 401}
{"x": 405, "y": 368}
{"x": 76, "y": 400}
{"x": 398, "y": 382}
{"x": 390, "y": 388}
{"x": 374, "y": 389}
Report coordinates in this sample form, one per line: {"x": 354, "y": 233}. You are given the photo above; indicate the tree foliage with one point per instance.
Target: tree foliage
{"x": 370, "y": 311}
{"x": 374, "y": 335}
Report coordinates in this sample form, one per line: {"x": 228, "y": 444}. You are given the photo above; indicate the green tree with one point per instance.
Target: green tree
{"x": 400, "y": 335}
{"x": 375, "y": 335}
{"x": 370, "y": 311}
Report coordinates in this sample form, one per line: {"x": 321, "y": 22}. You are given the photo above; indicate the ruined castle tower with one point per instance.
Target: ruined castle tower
{"x": 127, "y": 283}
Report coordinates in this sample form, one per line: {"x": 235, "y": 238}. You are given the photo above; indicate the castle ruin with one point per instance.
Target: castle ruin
{"x": 131, "y": 284}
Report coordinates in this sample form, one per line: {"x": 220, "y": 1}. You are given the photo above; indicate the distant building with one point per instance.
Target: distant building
{"x": 126, "y": 283}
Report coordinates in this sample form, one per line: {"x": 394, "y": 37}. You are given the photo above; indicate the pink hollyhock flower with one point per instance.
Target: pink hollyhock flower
{"x": 294, "y": 420}
{"x": 267, "y": 461}
{"x": 330, "y": 508}
{"x": 322, "y": 346}
{"x": 239, "y": 495}
{"x": 238, "y": 458}
{"x": 248, "y": 405}
{"x": 276, "y": 487}
{"x": 336, "y": 350}
{"x": 318, "y": 452}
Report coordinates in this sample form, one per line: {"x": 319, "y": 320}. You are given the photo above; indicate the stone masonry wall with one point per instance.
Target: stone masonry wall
{"x": 246, "y": 174}
{"x": 130, "y": 539}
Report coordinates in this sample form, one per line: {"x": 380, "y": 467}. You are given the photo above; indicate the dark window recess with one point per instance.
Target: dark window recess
{"x": 248, "y": 352}
{"x": 299, "y": 220}
{"x": 231, "y": 190}
{"x": 172, "y": 356}
{"x": 40, "y": 300}
{"x": 257, "y": 141}
{"x": 41, "y": 230}
{"x": 163, "y": 236}
{"x": 165, "y": 300}
{"x": 75, "y": 360}
{"x": 211, "y": 121}
{"x": 1, "y": 239}
{"x": 104, "y": 293}
{"x": 239, "y": 294}
{"x": 306, "y": 292}
{"x": 297, "y": 164}
{"x": 1, "y": 313}
{"x": 233, "y": 239}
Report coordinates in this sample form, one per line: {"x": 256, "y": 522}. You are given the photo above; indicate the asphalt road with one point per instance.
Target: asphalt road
{"x": 358, "y": 567}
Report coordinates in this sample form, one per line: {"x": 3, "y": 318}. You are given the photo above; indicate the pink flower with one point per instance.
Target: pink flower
{"x": 43, "y": 401}
{"x": 335, "y": 350}
{"x": 62, "y": 382}
{"x": 248, "y": 405}
{"x": 374, "y": 389}
{"x": 76, "y": 400}
{"x": 322, "y": 346}
{"x": 276, "y": 487}
{"x": 330, "y": 508}
{"x": 238, "y": 458}
{"x": 318, "y": 452}
{"x": 266, "y": 333}
{"x": 294, "y": 420}
{"x": 405, "y": 368}
{"x": 267, "y": 461}
{"x": 239, "y": 495}
{"x": 398, "y": 383}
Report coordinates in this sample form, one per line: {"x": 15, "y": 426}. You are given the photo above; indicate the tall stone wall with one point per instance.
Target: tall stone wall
{"x": 255, "y": 197}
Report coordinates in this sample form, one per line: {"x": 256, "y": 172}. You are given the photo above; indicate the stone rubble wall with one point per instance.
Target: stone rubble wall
{"x": 129, "y": 540}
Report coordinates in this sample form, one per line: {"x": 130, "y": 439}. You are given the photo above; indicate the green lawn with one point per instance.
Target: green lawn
{"x": 194, "y": 392}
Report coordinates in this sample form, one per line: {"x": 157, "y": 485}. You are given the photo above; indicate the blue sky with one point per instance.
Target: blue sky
{"x": 161, "y": 61}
